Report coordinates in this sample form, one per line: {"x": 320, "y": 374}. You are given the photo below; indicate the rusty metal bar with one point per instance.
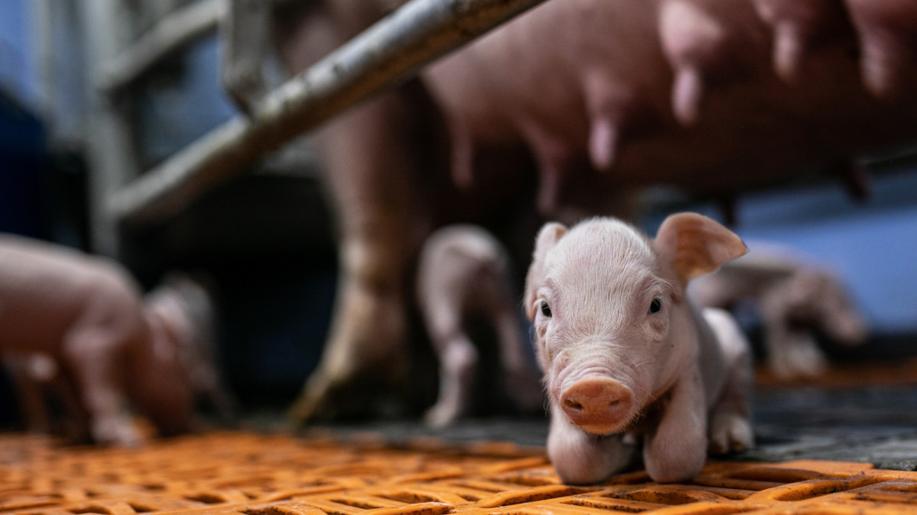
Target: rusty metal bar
{"x": 383, "y": 55}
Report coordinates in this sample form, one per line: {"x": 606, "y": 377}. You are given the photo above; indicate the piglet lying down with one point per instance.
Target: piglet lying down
{"x": 625, "y": 355}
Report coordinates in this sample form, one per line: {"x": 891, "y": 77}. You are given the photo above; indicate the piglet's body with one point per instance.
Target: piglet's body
{"x": 464, "y": 272}
{"x": 625, "y": 354}
{"x": 794, "y": 297}
{"x": 86, "y": 316}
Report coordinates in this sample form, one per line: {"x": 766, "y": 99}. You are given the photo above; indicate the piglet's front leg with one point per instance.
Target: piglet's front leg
{"x": 94, "y": 362}
{"x": 581, "y": 458}
{"x": 677, "y": 449}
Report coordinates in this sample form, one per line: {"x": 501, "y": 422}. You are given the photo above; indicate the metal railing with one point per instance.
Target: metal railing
{"x": 385, "y": 54}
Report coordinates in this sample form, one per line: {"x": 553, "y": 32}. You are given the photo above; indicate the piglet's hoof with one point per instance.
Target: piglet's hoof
{"x": 801, "y": 359}
{"x": 442, "y": 414}
{"x": 730, "y": 433}
{"x": 118, "y": 431}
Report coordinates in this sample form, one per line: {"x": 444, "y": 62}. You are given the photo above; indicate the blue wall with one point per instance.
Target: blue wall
{"x": 182, "y": 109}
{"x": 17, "y": 71}
{"x": 873, "y": 246}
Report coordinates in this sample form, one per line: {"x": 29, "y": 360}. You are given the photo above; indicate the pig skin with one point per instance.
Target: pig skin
{"x": 86, "y": 317}
{"x": 626, "y": 354}
{"x": 607, "y": 96}
{"x": 793, "y": 296}
{"x": 464, "y": 271}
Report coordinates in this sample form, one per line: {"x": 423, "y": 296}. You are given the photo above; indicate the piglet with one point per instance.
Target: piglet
{"x": 86, "y": 317}
{"x": 181, "y": 310}
{"x": 464, "y": 272}
{"x": 627, "y": 357}
{"x": 794, "y": 297}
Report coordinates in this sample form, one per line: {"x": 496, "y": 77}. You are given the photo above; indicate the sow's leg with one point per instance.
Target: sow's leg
{"x": 372, "y": 162}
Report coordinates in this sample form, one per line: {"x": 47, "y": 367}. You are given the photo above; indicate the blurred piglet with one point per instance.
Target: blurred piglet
{"x": 186, "y": 316}
{"x": 78, "y": 323}
{"x": 627, "y": 357}
{"x": 464, "y": 272}
{"x": 33, "y": 374}
{"x": 794, "y": 297}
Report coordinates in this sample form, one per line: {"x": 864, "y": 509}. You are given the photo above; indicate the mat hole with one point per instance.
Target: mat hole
{"x": 271, "y": 510}
{"x": 668, "y": 498}
{"x": 356, "y": 504}
{"x": 776, "y": 474}
{"x": 614, "y": 507}
{"x": 408, "y": 497}
{"x": 205, "y": 498}
{"x": 90, "y": 509}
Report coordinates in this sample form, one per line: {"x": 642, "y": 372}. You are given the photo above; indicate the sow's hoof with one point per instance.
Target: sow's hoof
{"x": 367, "y": 394}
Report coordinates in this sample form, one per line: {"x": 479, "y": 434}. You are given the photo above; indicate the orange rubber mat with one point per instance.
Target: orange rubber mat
{"x": 274, "y": 475}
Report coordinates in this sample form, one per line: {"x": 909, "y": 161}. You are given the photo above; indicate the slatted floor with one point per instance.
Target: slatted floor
{"x": 231, "y": 473}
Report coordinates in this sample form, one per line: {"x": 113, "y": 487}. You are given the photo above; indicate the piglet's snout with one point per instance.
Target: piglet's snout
{"x": 597, "y": 405}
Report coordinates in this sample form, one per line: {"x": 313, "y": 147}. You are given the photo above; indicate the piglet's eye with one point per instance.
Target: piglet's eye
{"x": 655, "y": 305}
{"x": 545, "y": 309}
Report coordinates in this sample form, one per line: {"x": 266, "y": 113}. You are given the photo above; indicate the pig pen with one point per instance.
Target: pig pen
{"x": 846, "y": 443}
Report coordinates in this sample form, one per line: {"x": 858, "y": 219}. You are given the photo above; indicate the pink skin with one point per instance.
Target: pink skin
{"x": 695, "y": 43}
{"x": 620, "y": 83}
{"x": 85, "y": 315}
{"x": 887, "y": 31}
{"x": 794, "y": 298}
{"x": 386, "y": 200}
{"x": 606, "y": 98}
{"x": 615, "y": 334}
{"x": 586, "y": 107}
{"x": 797, "y": 27}
{"x": 368, "y": 333}
{"x": 183, "y": 317}
{"x": 464, "y": 271}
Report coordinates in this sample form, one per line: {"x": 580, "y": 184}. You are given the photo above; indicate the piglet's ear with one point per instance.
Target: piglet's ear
{"x": 695, "y": 245}
{"x": 548, "y": 236}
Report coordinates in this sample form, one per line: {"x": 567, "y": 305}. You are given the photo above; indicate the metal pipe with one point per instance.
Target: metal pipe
{"x": 111, "y": 150}
{"x": 385, "y": 54}
{"x": 166, "y": 37}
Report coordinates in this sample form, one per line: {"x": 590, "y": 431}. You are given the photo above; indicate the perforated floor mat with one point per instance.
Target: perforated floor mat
{"x": 275, "y": 475}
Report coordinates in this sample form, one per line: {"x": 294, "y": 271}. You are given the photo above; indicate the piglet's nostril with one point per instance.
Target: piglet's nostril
{"x": 572, "y": 404}
{"x": 597, "y": 403}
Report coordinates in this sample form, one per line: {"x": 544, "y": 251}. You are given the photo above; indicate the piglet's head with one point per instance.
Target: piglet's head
{"x": 612, "y": 326}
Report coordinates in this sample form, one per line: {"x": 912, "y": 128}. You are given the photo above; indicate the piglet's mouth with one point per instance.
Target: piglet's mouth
{"x": 598, "y": 405}
{"x": 603, "y": 429}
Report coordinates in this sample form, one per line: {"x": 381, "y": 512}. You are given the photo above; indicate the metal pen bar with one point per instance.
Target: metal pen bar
{"x": 385, "y": 54}
{"x": 166, "y": 37}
